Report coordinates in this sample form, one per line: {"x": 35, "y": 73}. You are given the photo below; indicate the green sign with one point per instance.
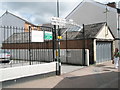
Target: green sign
{"x": 48, "y": 35}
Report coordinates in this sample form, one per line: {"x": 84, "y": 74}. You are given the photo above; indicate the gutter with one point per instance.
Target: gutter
{"x": 117, "y": 38}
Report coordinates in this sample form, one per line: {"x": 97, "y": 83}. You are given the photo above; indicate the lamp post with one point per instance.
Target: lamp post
{"x": 59, "y": 35}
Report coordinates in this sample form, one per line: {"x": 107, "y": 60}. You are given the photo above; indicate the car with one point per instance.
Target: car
{"x": 4, "y": 55}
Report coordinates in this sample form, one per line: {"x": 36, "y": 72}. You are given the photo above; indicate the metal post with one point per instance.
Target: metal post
{"x": 54, "y": 48}
{"x": 59, "y": 62}
{"x": 59, "y": 34}
{"x": 66, "y": 49}
{"x": 57, "y": 8}
{"x": 84, "y": 45}
{"x": 29, "y": 45}
{"x": 54, "y": 41}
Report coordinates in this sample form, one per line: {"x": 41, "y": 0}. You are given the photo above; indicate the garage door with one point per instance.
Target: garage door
{"x": 103, "y": 51}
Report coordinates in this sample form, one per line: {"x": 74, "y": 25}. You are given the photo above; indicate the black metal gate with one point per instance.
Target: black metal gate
{"x": 17, "y": 43}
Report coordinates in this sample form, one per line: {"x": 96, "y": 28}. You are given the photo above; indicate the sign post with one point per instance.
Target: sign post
{"x": 56, "y": 21}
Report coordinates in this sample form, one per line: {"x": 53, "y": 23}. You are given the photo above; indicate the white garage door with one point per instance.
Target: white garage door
{"x": 103, "y": 51}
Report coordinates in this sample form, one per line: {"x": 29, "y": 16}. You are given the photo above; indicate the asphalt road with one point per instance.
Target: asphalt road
{"x": 102, "y": 80}
{"x": 99, "y": 76}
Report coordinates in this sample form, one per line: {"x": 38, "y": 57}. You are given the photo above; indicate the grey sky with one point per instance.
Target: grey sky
{"x": 40, "y": 12}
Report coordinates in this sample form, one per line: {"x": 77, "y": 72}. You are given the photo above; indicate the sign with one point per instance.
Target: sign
{"x": 59, "y": 37}
{"x": 58, "y": 21}
{"x": 48, "y": 35}
{"x": 37, "y": 36}
{"x": 40, "y": 36}
{"x": 62, "y": 21}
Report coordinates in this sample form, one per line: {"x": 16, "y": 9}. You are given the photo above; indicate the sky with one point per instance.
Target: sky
{"x": 40, "y": 11}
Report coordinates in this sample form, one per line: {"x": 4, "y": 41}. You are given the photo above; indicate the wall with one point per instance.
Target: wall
{"x": 25, "y": 71}
{"x": 70, "y": 56}
{"x": 73, "y": 49}
{"x": 105, "y": 34}
{"x": 74, "y": 56}
{"x": 9, "y": 20}
{"x": 94, "y": 50}
{"x": 70, "y": 44}
{"x": 92, "y": 12}
{"x": 119, "y": 28}
{"x": 119, "y": 4}
{"x": 33, "y": 27}
{"x": 36, "y": 54}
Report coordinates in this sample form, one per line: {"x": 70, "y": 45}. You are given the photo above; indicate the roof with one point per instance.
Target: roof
{"x": 47, "y": 25}
{"x": 91, "y": 31}
{"x": 22, "y": 37}
{"x": 17, "y": 17}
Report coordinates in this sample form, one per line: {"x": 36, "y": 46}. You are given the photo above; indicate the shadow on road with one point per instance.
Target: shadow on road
{"x": 101, "y": 80}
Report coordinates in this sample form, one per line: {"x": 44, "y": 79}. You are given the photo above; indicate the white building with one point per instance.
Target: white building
{"x": 119, "y": 22}
{"x": 9, "y": 19}
{"x": 89, "y": 12}
{"x": 119, "y": 4}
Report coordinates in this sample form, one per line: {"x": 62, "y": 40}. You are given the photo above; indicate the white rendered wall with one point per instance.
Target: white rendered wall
{"x": 24, "y": 71}
{"x": 92, "y": 12}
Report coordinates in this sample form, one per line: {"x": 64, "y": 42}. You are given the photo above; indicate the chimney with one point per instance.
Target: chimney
{"x": 112, "y": 4}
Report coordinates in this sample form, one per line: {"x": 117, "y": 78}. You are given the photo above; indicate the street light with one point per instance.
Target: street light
{"x": 59, "y": 35}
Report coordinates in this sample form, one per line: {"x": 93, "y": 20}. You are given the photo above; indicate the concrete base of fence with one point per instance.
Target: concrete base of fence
{"x": 15, "y": 73}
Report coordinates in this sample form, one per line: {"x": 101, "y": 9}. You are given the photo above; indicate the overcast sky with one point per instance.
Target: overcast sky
{"x": 40, "y": 12}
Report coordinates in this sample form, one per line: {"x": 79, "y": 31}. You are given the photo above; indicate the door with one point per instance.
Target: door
{"x": 103, "y": 51}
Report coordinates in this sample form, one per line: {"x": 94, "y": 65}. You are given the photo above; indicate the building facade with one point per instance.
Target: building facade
{"x": 12, "y": 21}
{"x": 89, "y": 11}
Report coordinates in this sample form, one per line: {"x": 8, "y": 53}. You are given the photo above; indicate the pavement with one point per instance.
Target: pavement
{"x": 66, "y": 68}
{"x": 102, "y": 75}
